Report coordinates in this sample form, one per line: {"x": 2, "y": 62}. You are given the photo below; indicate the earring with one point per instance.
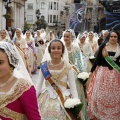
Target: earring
{"x": 11, "y": 70}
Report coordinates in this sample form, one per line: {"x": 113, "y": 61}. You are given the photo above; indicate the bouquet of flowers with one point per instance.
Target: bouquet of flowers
{"x": 74, "y": 105}
{"x": 83, "y": 77}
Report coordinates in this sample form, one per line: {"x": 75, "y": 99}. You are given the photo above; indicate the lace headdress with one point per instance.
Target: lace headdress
{"x": 46, "y": 56}
{"x": 15, "y": 59}
{"x": 7, "y": 37}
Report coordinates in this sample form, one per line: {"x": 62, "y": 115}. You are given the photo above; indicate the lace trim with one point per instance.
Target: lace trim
{"x": 117, "y": 53}
{"x": 7, "y": 113}
{"x": 18, "y": 90}
{"x": 58, "y": 76}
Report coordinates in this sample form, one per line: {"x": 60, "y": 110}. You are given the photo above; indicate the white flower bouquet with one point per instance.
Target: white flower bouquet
{"x": 83, "y": 77}
{"x": 74, "y": 105}
{"x": 70, "y": 103}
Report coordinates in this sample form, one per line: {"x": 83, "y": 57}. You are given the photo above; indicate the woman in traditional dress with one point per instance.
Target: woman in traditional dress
{"x": 43, "y": 34}
{"x": 75, "y": 58}
{"x": 4, "y": 36}
{"x": 62, "y": 75}
{"x": 86, "y": 50}
{"x": 104, "y": 89}
{"x": 22, "y": 46}
{"x": 50, "y": 36}
{"x": 17, "y": 94}
{"x": 92, "y": 41}
{"x": 40, "y": 47}
{"x": 31, "y": 51}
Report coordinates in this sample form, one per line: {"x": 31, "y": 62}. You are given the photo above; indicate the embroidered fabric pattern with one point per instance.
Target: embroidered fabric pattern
{"x": 51, "y": 108}
{"x": 58, "y": 76}
{"x": 18, "y": 90}
{"x": 105, "y": 95}
{"x": 7, "y": 113}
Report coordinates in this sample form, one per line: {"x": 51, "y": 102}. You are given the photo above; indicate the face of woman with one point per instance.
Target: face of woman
{"x": 82, "y": 40}
{"x": 3, "y": 34}
{"x": 113, "y": 38}
{"x": 56, "y": 50}
{"x": 90, "y": 36}
{"x": 4, "y": 65}
{"x": 67, "y": 37}
{"x": 18, "y": 33}
{"x": 38, "y": 33}
{"x": 51, "y": 33}
{"x": 27, "y": 34}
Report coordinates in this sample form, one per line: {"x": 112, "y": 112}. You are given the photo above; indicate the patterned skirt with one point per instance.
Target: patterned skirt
{"x": 104, "y": 95}
{"x": 51, "y": 109}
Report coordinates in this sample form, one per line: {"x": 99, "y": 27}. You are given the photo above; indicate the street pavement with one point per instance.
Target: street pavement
{"x": 35, "y": 77}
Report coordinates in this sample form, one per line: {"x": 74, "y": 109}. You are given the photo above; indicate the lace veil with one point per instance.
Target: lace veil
{"x": 15, "y": 59}
{"x": 46, "y": 56}
{"x": 7, "y": 37}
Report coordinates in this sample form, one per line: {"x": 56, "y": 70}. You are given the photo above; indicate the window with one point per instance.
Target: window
{"x": 51, "y": 6}
{"x": 42, "y": 5}
{"x": 50, "y": 18}
{"x": 54, "y": 5}
{"x": 57, "y": 17}
{"x": 30, "y": 5}
{"x": 54, "y": 18}
{"x": 30, "y": 18}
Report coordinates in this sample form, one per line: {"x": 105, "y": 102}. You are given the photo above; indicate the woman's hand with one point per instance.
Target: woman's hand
{"x": 90, "y": 74}
{"x": 104, "y": 53}
{"x": 80, "y": 116}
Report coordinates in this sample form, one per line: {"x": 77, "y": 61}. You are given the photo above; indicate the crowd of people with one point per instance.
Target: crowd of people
{"x": 59, "y": 87}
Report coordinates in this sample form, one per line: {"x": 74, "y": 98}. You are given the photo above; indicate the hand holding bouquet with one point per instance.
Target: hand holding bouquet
{"x": 74, "y": 105}
{"x": 83, "y": 77}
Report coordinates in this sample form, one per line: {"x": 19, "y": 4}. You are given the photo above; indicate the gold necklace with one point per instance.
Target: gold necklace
{"x": 55, "y": 65}
{"x": 2, "y": 85}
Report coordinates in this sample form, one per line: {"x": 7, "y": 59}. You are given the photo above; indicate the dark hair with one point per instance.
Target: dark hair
{"x": 56, "y": 40}
{"x": 107, "y": 39}
{"x": 2, "y": 50}
{"x": 108, "y": 36}
{"x": 100, "y": 40}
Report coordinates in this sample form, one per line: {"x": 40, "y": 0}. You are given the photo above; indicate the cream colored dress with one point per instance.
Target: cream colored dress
{"x": 49, "y": 103}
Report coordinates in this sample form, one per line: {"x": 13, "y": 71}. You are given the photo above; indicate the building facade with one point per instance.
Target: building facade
{"x": 57, "y": 14}
{"x": 12, "y": 14}
{"x": 95, "y": 16}
{"x": 53, "y": 12}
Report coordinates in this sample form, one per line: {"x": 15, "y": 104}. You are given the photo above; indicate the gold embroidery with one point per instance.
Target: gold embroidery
{"x": 58, "y": 76}
{"x": 19, "y": 89}
{"x": 7, "y": 113}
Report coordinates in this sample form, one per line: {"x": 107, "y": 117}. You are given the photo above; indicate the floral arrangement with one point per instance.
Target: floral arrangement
{"x": 83, "y": 75}
{"x": 70, "y": 103}
{"x": 74, "y": 105}
{"x": 91, "y": 57}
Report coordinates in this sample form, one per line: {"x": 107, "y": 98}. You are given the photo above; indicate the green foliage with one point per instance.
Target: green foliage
{"x": 27, "y": 26}
{"x": 41, "y": 23}
{"x": 6, "y": 16}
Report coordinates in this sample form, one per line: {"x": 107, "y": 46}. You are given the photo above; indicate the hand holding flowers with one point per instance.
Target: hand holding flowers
{"x": 83, "y": 76}
{"x": 74, "y": 105}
